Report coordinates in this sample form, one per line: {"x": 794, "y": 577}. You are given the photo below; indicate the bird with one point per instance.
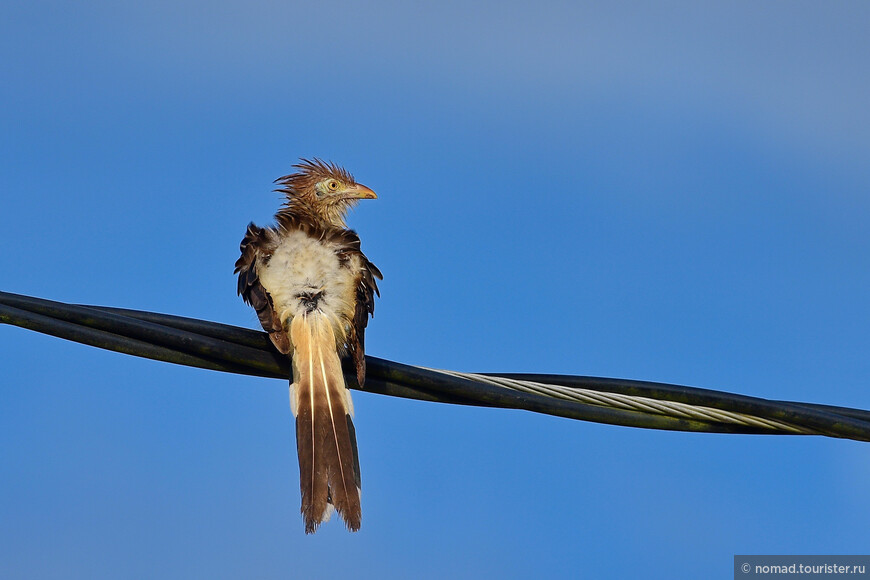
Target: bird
{"x": 314, "y": 290}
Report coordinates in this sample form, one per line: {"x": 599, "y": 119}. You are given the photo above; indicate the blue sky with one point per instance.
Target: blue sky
{"x": 675, "y": 193}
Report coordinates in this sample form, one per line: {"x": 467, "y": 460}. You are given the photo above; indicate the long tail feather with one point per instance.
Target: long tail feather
{"x": 325, "y": 437}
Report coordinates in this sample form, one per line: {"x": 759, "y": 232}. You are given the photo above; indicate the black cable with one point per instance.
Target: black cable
{"x": 228, "y": 348}
{"x": 827, "y": 419}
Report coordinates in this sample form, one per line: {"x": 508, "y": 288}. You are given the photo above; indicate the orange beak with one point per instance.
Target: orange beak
{"x": 360, "y": 191}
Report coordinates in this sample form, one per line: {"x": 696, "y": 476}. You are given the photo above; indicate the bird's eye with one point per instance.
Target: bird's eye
{"x": 332, "y": 185}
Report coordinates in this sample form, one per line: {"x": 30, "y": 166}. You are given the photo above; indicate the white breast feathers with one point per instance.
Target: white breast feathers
{"x": 304, "y": 275}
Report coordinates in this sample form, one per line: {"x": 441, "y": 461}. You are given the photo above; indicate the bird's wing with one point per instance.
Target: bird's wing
{"x": 258, "y": 244}
{"x": 366, "y": 290}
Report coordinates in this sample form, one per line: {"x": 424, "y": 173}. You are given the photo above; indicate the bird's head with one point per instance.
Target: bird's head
{"x": 322, "y": 190}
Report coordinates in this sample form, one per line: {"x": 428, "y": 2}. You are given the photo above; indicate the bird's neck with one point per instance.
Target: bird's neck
{"x": 321, "y": 215}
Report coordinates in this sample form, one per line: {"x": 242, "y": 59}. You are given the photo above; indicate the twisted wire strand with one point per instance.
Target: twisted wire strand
{"x": 632, "y": 402}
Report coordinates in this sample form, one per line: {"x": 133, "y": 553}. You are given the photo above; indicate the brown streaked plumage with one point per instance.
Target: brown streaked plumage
{"x": 313, "y": 290}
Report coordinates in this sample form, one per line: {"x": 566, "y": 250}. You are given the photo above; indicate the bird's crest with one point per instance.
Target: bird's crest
{"x": 312, "y": 171}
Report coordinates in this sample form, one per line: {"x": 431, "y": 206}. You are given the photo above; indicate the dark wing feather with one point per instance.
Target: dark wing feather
{"x": 257, "y": 245}
{"x": 366, "y": 289}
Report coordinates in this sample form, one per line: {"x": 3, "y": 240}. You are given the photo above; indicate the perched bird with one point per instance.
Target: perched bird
{"x": 314, "y": 290}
